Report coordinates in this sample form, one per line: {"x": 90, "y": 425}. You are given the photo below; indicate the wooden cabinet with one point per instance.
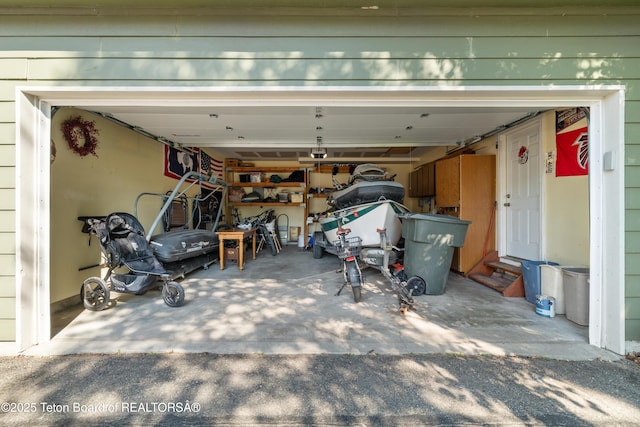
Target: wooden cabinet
{"x": 466, "y": 188}
{"x": 422, "y": 181}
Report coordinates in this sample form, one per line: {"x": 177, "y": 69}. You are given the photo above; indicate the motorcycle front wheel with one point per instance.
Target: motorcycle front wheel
{"x": 355, "y": 278}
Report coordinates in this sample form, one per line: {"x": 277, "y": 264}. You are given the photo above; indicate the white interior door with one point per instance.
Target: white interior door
{"x": 521, "y": 200}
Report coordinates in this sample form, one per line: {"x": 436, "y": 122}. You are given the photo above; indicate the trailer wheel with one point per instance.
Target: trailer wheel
{"x": 417, "y": 285}
{"x": 318, "y": 250}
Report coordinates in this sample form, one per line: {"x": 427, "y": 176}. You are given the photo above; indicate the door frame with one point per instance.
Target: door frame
{"x": 502, "y": 187}
{"x": 606, "y": 103}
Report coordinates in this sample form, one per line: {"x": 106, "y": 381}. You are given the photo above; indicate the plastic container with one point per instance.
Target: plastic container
{"x": 429, "y": 244}
{"x": 576, "y": 294}
{"x": 531, "y": 278}
{"x": 552, "y": 283}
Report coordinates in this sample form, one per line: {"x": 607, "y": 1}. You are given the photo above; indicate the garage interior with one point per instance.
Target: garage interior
{"x": 402, "y": 136}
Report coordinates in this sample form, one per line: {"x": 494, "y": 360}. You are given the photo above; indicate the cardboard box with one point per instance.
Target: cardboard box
{"x": 296, "y": 197}
{"x": 236, "y": 194}
{"x": 231, "y": 254}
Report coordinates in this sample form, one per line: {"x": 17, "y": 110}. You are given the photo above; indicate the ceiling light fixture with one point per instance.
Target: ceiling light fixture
{"x": 319, "y": 152}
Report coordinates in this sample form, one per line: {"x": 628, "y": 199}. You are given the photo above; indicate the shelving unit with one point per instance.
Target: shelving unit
{"x": 321, "y": 175}
{"x": 232, "y": 176}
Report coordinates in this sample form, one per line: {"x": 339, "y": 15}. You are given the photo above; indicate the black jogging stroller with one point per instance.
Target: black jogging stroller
{"x": 123, "y": 243}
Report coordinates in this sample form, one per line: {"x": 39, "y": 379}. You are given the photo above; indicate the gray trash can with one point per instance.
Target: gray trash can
{"x": 576, "y": 294}
{"x": 428, "y": 248}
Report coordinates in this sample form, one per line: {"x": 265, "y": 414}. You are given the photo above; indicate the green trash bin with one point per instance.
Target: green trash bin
{"x": 428, "y": 247}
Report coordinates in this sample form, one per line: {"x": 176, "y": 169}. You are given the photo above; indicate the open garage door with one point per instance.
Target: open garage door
{"x": 606, "y": 181}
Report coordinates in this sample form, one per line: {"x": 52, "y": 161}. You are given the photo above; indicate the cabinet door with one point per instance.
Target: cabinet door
{"x": 478, "y": 177}
{"x": 414, "y": 178}
{"x": 430, "y": 179}
{"x": 422, "y": 181}
{"x": 448, "y": 182}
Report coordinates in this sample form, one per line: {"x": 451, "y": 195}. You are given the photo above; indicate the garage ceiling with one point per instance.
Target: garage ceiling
{"x": 290, "y": 132}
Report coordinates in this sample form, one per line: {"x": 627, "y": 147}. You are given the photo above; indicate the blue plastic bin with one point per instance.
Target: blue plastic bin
{"x": 531, "y": 277}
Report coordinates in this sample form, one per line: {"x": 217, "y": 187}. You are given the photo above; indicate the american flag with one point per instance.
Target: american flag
{"x": 210, "y": 165}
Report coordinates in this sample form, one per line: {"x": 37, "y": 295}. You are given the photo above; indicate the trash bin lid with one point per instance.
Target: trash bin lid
{"x": 426, "y": 228}
{"x": 433, "y": 217}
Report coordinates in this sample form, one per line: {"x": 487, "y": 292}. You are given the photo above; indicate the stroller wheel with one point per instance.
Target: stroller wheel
{"x": 173, "y": 294}
{"x": 94, "y": 294}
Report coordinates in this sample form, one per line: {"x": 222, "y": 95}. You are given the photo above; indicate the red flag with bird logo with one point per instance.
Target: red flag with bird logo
{"x": 573, "y": 153}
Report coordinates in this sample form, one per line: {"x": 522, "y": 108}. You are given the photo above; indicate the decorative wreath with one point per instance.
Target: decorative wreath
{"x": 75, "y": 129}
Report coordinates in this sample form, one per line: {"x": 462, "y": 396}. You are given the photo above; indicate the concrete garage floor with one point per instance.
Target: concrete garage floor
{"x": 285, "y": 304}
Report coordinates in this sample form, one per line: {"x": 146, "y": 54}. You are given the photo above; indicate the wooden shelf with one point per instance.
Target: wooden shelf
{"x": 273, "y": 169}
{"x": 286, "y": 184}
{"x": 283, "y": 204}
{"x": 329, "y": 168}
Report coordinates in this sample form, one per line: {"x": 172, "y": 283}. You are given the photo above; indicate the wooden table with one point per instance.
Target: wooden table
{"x": 238, "y": 235}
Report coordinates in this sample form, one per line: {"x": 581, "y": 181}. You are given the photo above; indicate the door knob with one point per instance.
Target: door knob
{"x": 507, "y": 204}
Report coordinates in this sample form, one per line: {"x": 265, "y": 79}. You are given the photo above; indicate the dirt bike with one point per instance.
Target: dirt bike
{"x": 348, "y": 249}
{"x": 266, "y": 229}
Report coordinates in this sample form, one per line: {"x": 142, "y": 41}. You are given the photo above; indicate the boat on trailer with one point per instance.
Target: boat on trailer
{"x": 364, "y": 221}
{"x": 368, "y": 183}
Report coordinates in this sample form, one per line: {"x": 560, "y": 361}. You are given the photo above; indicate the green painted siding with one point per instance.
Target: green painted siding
{"x": 7, "y": 326}
{"x": 206, "y": 50}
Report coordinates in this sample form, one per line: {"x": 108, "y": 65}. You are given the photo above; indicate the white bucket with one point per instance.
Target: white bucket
{"x": 545, "y": 306}
{"x": 552, "y": 284}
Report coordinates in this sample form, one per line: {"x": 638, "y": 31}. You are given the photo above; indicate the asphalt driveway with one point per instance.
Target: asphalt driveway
{"x": 322, "y": 390}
